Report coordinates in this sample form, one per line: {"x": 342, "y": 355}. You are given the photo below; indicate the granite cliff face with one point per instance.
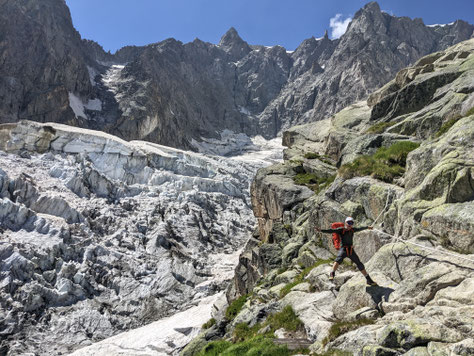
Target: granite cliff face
{"x": 41, "y": 61}
{"x": 179, "y": 94}
{"x": 421, "y": 251}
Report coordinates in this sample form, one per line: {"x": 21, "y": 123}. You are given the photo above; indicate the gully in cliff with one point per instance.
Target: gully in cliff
{"x": 342, "y": 238}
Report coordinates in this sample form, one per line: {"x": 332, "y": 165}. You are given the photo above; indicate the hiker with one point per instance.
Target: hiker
{"x": 342, "y": 238}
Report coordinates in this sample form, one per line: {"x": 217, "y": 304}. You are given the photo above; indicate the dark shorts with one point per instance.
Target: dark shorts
{"x": 353, "y": 256}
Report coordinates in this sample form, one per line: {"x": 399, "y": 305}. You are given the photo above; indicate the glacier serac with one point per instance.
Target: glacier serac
{"x": 103, "y": 235}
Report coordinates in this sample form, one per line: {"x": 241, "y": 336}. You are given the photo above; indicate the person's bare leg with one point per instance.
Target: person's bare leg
{"x": 335, "y": 266}
{"x": 364, "y": 272}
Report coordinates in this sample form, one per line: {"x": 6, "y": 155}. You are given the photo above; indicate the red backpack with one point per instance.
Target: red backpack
{"x": 336, "y": 238}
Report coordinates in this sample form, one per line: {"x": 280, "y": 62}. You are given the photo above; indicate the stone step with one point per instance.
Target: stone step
{"x": 294, "y": 344}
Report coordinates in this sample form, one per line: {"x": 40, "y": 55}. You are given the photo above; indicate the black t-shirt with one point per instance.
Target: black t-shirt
{"x": 346, "y": 235}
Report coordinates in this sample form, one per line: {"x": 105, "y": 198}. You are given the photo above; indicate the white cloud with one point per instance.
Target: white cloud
{"x": 338, "y": 26}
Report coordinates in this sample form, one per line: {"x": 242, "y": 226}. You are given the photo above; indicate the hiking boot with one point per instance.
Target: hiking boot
{"x": 331, "y": 276}
{"x": 370, "y": 281}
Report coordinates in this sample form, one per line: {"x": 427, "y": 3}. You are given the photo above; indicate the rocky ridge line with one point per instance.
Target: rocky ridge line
{"x": 178, "y": 94}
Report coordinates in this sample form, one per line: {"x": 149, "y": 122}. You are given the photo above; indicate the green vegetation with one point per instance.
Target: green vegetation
{"x": 215, "y": 348}
{"x": 209, "y": 323}
{"x": 380, "y": 127}
{"x": 313, "y": 182}
{"x": 385, "y": 164}
{"x": 247, "y": 341}
{"x": 235, "y": 307}
{"x": 243, "y": 332}
{"x": 258, "y": 345}
{"x": 297, "y": 162}
{"x": 343, "y": 327}
{"x": 335, "y": 352}
{"x": 286, "y": 319}
{"x": 447, "y": 125}
{"x": 450, "y": 123}
{"x": 314, "y": 155}
{"x": 300, "y": 277}
{"x": 469, "y": 112}
{"x": 306, "y": 178}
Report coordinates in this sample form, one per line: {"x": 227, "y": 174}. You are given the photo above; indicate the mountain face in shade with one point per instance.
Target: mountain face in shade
{"x": 175, "y": 94}
{"x": 41, "y": 60}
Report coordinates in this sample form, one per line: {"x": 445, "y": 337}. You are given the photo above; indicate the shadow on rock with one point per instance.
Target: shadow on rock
{"x": 378, "y": 293}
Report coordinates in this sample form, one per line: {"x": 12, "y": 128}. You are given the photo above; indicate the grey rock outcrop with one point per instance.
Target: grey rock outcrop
{"x": 420, "y": 251}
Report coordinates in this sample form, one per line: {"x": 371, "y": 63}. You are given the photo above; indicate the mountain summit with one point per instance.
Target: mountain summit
{"x": 234, "y": 45}
{"x": 180, "y": 94}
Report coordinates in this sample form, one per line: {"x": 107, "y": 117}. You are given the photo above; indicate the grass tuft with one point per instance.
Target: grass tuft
{"x": 286, "y": 319}
{"x": 447, "y": 125}
{"x": 209, "y": 323}
{"x": 450, "y": 123}
{"x": 386, "y": 164}
{"x": 379, "y": 127}
{"x": 235, "y": 307}
{"x": 313, "y": 182}
{"x": 322, "y": 158}
{"x": 243, "y": 332}
{"x": 247, "y": 341}
{"x": 343, "y": 327}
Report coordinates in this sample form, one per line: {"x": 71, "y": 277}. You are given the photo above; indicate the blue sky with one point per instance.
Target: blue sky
{"x": 116, "y": 23}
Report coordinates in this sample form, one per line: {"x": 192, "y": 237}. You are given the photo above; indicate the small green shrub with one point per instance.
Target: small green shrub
{"x": 323, "y": 184}
{"x": 215, "y": 348}
{"x": 313, "y": 181}
{"x": 447, "y": 125}
{"x": 385, "y": 164}
{"x": 209, "y": 323}
{"x": 235, "y": 307}
{"x": 380, "y": 127}
{"x": 248, "y": 342}
{"x": 257, "y": 346}
{"x": 450, "y": 123}
{"x": 342, "y": 327}
{"x": 311, "y": 155}
{"x": 243, "y": 332}
{"x": 305, "y": 178}
{"x": 314, "y": 155}
{"x": 286, "y": 319}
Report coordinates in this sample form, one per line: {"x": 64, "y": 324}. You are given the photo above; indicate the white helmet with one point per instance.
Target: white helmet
{"x": 349, "y": 219}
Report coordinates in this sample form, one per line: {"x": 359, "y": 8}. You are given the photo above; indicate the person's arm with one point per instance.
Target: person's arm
{"x": 328, "y": 231}
{"x": 357, "y": 229}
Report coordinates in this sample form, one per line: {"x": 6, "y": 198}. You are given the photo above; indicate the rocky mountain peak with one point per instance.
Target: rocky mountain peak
{"x": 234, "y": 45}
{"x": 230, "y": 37}
{"x": 372, "y": 7}
{"x": 369, "y": 18}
